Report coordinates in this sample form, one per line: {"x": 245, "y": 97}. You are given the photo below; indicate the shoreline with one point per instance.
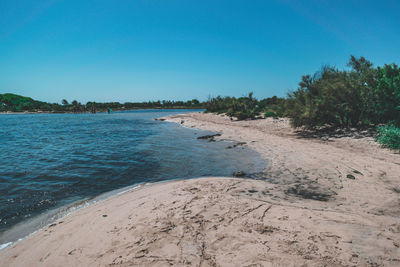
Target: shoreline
{"x": 21, "y": 231}
{"x": 64, "y": 211}
{"x": 94, "y": 207}
{"x": 24, "y": 228}
{"x": 332, "y": 201}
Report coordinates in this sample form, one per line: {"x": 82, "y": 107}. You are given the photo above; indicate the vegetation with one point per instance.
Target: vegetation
{"x": 273, "y": 107}
{"x": 17, "y": 103}
{"x": 389, "y": 136}
{"x": 269, "y": 114}
{"x": 362, "y": 95}
{"x": 242, "y": 108}
{"x": 359, "y": 96}
{"x": 247, "y": 107}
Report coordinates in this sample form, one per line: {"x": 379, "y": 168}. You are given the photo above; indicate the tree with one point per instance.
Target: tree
{"x": 76, "y": 106}
{"x": 245, "y": 107}
{"x": 359, "y": 64}
{"x": 364, "y": 95}
{"x": 332, "y": 97}
{"x": 64, "y": 102}
{"x": 387, "y": 92}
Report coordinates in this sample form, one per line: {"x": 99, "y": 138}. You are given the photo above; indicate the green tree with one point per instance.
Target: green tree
{"x": 387, "y": 94}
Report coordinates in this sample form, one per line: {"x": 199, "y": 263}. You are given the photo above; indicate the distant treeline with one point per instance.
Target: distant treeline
{"x": 17, "y": 103}
{"x": 363, "y": 95}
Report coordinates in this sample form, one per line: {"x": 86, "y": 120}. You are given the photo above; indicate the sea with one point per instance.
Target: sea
{"x": 53, "y": 164}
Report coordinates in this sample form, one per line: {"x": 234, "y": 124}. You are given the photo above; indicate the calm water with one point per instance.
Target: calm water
{"x": 51, "y": 160}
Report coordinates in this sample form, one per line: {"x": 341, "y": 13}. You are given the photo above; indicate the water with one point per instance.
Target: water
{"x": 49, "y": 161}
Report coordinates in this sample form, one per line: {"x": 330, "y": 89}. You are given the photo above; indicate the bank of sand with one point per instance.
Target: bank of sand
{"x": 331, "y": 201}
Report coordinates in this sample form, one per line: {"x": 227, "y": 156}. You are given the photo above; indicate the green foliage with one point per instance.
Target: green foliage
{"x": 364, "y": 95}
{"x": 245, "y": 107}
{"x": 269, "y": 114}
{"x": 387, "y": 93}
{"x": 274, "y": 104}
{"x": 17, "y": 103}
{"x": 327, "y": 97}
{"x": 242, "y": 108}
{"x": 389, "y": 136}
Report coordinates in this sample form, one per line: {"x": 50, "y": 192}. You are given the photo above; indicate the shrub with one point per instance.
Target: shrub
{"x": 389, "y": 136}
{"x": 242, "y": 108}
{"x": 360, "y": 96}
{"x": 387, "y": 93}
{"x": 270, "y": 114}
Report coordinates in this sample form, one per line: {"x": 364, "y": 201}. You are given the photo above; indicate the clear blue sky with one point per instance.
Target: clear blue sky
{"x": 116, "y": 50}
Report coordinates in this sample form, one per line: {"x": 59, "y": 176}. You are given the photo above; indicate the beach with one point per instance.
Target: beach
{"x": 329, "y": 199}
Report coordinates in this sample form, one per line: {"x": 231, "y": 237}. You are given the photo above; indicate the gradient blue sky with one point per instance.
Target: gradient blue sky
{"x": 149, "y": 50}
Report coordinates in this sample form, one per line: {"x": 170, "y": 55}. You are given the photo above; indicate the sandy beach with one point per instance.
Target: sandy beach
{"x": 323, "y": 200}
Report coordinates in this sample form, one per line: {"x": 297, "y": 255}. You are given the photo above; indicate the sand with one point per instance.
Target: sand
{"x": 330, "y": 200}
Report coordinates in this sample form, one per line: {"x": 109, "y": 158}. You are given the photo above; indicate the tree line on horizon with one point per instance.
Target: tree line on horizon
{"x": 17, "y": 103}
{"x": 100, "y": 106}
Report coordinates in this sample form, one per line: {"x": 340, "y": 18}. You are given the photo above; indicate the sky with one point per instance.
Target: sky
{"x": 144, "y": 50}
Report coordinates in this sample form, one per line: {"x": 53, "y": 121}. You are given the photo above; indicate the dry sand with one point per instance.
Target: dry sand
{"x": 303, "y": 210}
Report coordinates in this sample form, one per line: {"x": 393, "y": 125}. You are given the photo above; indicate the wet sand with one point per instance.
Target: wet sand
{"x": 332, "y": 200}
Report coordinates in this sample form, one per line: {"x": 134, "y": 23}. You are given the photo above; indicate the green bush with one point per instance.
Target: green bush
{"x": 387, "y": 93}
{"x": 389, "y": 136}
{"x": 270, "y": 114}
{"x": 241, "y": 108}
{"x": 360, "y": 96}
{"x": 246, "y": 107}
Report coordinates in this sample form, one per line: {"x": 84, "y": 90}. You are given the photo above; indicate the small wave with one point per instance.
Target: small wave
{"x": 29, "y": 227}
{"x": 3, "y": 246}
